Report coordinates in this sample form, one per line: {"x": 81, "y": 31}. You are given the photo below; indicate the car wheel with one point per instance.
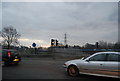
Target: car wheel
{"x": 73, "y": 71}
{"x": 16, "y": 63}
{"x": 6, "y": 63}
{"x": 3, "y": 63}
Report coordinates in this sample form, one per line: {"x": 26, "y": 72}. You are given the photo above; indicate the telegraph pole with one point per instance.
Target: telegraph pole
{"x": 65, "y": 39}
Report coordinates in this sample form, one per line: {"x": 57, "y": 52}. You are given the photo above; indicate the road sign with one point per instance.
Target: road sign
{"x": 34, "y": 45}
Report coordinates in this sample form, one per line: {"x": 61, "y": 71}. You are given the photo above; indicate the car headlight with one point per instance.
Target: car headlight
{"x": 65, "y": 65}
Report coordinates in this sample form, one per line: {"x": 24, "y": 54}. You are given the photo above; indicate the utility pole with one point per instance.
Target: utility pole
{"x": 65, "y": 39}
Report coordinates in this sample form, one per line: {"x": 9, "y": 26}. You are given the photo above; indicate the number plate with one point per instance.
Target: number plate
{"x": 16, "y": 60}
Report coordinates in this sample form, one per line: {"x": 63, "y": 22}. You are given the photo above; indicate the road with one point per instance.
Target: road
{"x": 43, "y": 68}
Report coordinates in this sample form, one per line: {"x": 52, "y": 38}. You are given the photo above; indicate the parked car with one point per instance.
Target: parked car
{"x": 10, "y": 56}
{"x": 99, "y": 64}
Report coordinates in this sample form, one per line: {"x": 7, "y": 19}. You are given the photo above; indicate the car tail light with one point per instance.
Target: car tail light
{"x": 9, "y": 53}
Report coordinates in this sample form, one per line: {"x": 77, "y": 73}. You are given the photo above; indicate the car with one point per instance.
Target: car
{"x": 10, "y": 56}
{"x": 98, "y": 64}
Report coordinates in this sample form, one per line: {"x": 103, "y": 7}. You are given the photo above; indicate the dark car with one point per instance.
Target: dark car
{"x": 10, "y": 56}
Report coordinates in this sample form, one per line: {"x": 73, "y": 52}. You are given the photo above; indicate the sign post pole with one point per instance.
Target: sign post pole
{"x": 34, "y": 45}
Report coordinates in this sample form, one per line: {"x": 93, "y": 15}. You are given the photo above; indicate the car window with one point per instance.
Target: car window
{"x": 4, "y": 52}
{"x": 113, "y": 57}
{"x": 12, "y": 52}
{"x": 99, "y": 57}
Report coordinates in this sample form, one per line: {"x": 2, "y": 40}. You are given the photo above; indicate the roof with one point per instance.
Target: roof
{"x": 110, "y": 52}
{"x": 8, "y": 50}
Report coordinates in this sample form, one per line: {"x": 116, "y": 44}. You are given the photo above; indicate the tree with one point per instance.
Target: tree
{"x": 89, "y": 46}
{"x": 10, "y": 36}
{"x": 103, "y": 44}
{"x": 117, "y": 45}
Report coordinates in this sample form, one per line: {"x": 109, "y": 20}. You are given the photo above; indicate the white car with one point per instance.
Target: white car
{"x": 100, "y": 64}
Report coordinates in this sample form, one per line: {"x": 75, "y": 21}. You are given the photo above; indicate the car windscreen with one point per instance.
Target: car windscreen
{"x": 83, "y": 58}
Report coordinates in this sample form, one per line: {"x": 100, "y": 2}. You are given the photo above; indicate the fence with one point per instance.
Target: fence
{"x": 60, "y": 52}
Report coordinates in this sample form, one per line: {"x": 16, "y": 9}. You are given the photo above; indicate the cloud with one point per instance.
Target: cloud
{"x": 29, "y": 42}
{"x": 0, "y": 16}
{"x": 82, "y": 21}
{"x": 60, "y": 0}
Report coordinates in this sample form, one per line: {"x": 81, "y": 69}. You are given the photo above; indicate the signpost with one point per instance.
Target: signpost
{"x": 34, "y": 45}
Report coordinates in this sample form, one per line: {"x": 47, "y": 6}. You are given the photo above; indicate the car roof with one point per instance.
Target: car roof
{"x": 109, "y": 52}
{"x": 8, "y": 50}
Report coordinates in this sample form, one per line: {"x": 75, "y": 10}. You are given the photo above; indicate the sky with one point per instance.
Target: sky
{"x": 60, "y": 0}
{"x": 83, "y": 22}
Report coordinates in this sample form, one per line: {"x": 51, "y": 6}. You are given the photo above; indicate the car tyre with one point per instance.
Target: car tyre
{"x": 16, "y": 63}
{"x": 6, "y": 63}
{"x": 3, "y": 63}
{"x": 73, "y": 71}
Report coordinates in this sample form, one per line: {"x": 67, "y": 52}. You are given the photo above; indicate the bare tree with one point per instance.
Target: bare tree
{"x": 10, "y": 36}
{"x": 117, "y": 45}
{"x": 103, "y": 44}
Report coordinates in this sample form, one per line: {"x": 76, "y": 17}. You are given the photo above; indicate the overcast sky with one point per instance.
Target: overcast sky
{"x": 82, "y": 21}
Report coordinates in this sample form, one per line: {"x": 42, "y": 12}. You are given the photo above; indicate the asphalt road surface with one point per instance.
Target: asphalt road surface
{"x": 43, "y": 68}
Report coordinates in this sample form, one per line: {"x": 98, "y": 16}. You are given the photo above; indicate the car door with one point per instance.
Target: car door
{"x": 111, "y": 66}
{"x": 93, "y": 64}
